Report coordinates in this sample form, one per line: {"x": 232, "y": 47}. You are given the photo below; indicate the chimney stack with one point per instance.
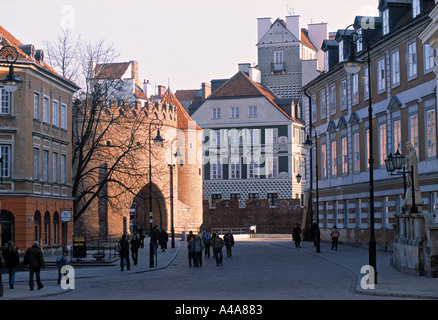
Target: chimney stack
{"x": 206, "y": 90}
{"x": 161, "y": 90}
{"x": 263, "y": 26}
{"x": 293, "y": 24}
{"x": 147, "y": 88}
{"x": 134, "y": 69}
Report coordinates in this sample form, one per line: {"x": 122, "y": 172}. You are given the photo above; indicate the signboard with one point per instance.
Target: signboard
{"x": 66, "y": 216}
{"x": 79, "y": 247}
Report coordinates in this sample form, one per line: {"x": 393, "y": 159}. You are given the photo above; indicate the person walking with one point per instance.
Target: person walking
{"x": 60, "y": 262}
{"x": 135, "y": 245}
{"x": 229, "y": 242}
{"x": 124, "y": 253}
{"x": 34, "y": 258}
{"x": 199, "y": 248}
{"x": 141, "y": 233}
{"x": 335, "y": 237}
{"x": 12, "y": 259}
{"x": 217, "y": 244}
{"x": 164, "y": 237}
{"x": 191, "y": 251}
{"x": 207, "y": 244}
{"x": 296, "y": 235}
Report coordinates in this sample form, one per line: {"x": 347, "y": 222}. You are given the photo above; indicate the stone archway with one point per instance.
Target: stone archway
{"x": 140, "y": 209}
{"x": 6, "y": 227}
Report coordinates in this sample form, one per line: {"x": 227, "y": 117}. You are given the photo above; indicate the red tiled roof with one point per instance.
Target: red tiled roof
{"x": 305, "y": 39}
{"x": 111, "y": 70}
{"x": 183, "y": 118}
{"x": 185, "y": 95}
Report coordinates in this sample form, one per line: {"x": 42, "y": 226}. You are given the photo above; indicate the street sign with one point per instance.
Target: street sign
{"x": 79, "y": 247}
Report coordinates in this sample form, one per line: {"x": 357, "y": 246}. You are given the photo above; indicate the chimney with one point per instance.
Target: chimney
{"x": 293, "y": 24}
{"x": 161, "y": 90}
{"x": 318, "y": 32}
{"x": 206, "y": 90}
{"x": 134, "y": 69}
{"x": 244, "y": 67}
{"x": 255, "y": 74}
{"x": 39, "y": 56}
{"x": 147, "y": 88}
{"x": 263, "y": 26}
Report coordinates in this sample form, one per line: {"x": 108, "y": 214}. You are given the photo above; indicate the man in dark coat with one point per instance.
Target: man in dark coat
{"x": 34, "y": 258}
{"x": 135, "y": 245}
{"x": 124, "y": 253}
{"x": 164, "y": 237}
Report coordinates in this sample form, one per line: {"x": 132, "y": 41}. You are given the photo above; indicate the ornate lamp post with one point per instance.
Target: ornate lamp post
{"x": 352, "y": 66}
{"x": 177, "y": 154}
{"x": 158, "y": 141}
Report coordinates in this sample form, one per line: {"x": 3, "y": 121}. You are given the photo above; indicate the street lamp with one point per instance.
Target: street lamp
{"x": 158, "y": 142}
{"x": 11, "y": 81}
{"x": 177, "y": 155}
{"x": 352, "y": 66}
{"x": 395, "y": 163}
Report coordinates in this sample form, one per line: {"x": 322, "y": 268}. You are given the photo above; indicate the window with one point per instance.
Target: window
{"x": 314, "y": 111}
{"x": 385, "y": 17}
{"x": 271, "y": 136}
{"x": 324, "y": 161}
{"x": 415, "y": 8}
{"x": 395, "y": 68}
{"x": 367, "y": 143}
{"x": 412, "y": 60}
{"x": 333, "y": 99}
{"x": 397, "y": 136}
{"x": 355, "y": 89}
{"x": 326, "y": 61}
{"x": 64, "y": 117}
{"x": 356, "y": 152}
{"x": 55, "y": 113}
{"x": 254, "y": 169}
{"x": 6, "y": 97}
{"x": 36, "y": 163}
{"x": 234, "y": 196}
{"x": 382, "y": 144}
{"x": 234, "y": 168}
{"x": 429, "y": 56}
{"x": 253, "y": 195}
{"x": 431, "y": 133}
{"x": 413, "y": 122}
{"x": 272, "y": 197}
{"x": 47, "y": 228}
{"x": 215, "y": 136}
{"x": 271, "y": 168}
{"x": 381, "y": 84}
{"x": 46, "y": 110}
{"x": 359, "y": 44}
{"x": 253, "y": 136}
{"x": 216, "y": 113}
{"x": 6, "y": 158}
{"x": 252, "y": 111}
{"x": 234, "y": 137}
{"x": 63, "y": 168}
{"x": 215, "y": 197}
{"x": 343, "y": 94}
{"x": 36, "y": 106}
{"x": 45, "y": 165}
{"x": 341, "y": 51}
{"x": 322, "y": 105}
{"x": 55, "y": 167}
{"x": 344, "y": 152}
{"x": 234, "y": 112}
{"x": 334, "y": 158}
{"x": 366, "y": 91}
{"x": 216, "y": 170}
{"x": 278, "y": 57}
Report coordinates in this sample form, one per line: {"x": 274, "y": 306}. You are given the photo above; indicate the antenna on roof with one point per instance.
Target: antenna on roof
{"x": 290, "y": 11}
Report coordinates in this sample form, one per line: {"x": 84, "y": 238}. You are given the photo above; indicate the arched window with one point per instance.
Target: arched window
{"x": 47, "y": 228}
{"x": 6, "y": 227}
{"x": 56, "y": 228}
{"x": 37, "y": 225}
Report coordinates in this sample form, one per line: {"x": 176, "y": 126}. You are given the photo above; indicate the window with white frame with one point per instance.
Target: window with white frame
{"x": 253, "y": 136}
{"x": 341, "y": 51}
{"x": 46, "y": 110}
{"x": 216, "y": 113}
{"x": 395, "y": 68}
{"x": 415, "y": 8}
{"x": 234, "y": 137}
{"x": 324, "y": 161}
{"x": 326, "y": 61}
{"x": 334, "y": 162}
{"x": 385, "y": 20}
{"x": 64, "y": 117}
{"x": 216, "y": 169}
{"x": 36, "y": 106}
{"x": 355, "y": 89}
{"x": 344, "y": 155}
{"x": 429, "y": 58}
{"x": 278, "y": 57}
{"x": 333, "y": 99}
{"x": 254, "y": 169}
{"x": 431, "y": 133}
{"x": 45, "y": 165}
{"x": 314, "y": 107}
{"x": 234, "y": 113}
{"x": 6, "y": 97}
{"x": 271, "y": 136}
{"x": 55, "y": 167}
{"x": 322, "y": 104}
{"x": 381, "y": 78}
{"x": 271, "y": 166}
{"x": 55, "y": 113}
{"x": 343, "y": 94}
{"x": 359, "y": 44}
{"x": 36, "y": 163}
{"x": 6, "y": 159}
{"x": 63, "y": 168}
{"x": 413, "y": 131}
{"x": 234, "y": 168}
{"x": 252, "y": 111}
{"x": 396, "y": 136}
{"x": 356, "y": 152}
{"x": 412, "y": 60}
{"x": 382, "y": 144}
{"x": 365, "y": 78}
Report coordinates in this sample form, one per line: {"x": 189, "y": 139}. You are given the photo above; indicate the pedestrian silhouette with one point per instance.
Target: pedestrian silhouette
{"x": 296, "y": 235}
{"x": 12, "y": 259}
{"x": 335, "y": 237}
{"x": 164, "y": 237}
{"x": 34, "y": 258}
{"x": 229, "y": 242}
{"x": 135, "y": 245}
{"x": 217, "y": 244}
{"x": 124, "y": 253}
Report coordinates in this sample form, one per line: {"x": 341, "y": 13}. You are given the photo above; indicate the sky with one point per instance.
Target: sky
{"x": 180, "y": 43}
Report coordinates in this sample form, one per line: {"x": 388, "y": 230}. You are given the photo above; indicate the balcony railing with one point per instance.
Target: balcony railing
{"x": 278, "y": 67}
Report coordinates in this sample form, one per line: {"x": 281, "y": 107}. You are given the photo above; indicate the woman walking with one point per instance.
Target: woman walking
{"x": 12, "y": 259}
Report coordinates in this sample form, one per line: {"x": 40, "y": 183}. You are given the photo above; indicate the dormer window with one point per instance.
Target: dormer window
{"x": 385, "y": 18}
{"x": 341, "y": 51}
{"x": 415, "y": 8}
{"x": 326, "y": 61}
{"x": 359, "y": 45}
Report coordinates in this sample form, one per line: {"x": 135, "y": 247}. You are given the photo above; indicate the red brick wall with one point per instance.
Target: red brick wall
{"x": 278, "y": 220}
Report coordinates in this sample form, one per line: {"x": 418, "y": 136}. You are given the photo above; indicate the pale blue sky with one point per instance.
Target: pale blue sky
{"x": 186, "y": 41}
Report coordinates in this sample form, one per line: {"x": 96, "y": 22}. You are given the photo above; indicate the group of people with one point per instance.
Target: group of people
{"x": 314, "y": 234}
{"x": 157, "y": 238}
{"x": 201, "y": 243}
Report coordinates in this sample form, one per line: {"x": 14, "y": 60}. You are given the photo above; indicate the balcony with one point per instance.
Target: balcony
{"x": 278, "y": 68}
